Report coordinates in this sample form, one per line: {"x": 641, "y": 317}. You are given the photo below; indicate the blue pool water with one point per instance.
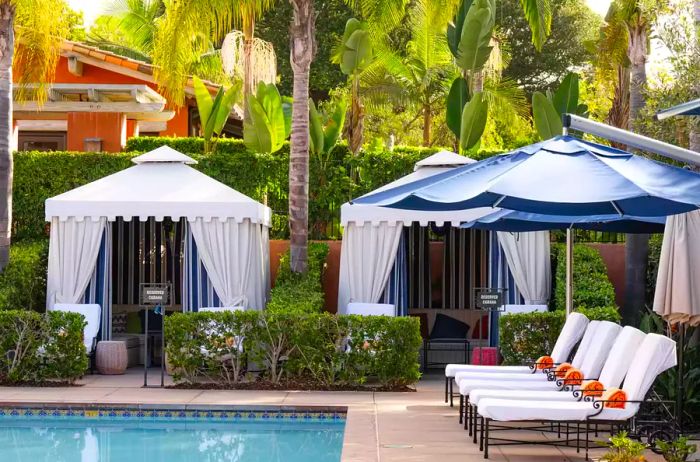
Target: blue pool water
{"x": 82, "y": 440}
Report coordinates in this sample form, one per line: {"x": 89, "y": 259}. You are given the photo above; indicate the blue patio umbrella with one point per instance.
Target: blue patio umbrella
{"x": 514, "y": 221}
{"x": 561, "y": 176}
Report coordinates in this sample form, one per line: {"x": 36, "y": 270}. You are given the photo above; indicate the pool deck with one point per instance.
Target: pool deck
{"x": 381, "y": 427}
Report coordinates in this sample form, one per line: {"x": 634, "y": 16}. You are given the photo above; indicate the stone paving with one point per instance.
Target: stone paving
{"x": 381, "y": 427}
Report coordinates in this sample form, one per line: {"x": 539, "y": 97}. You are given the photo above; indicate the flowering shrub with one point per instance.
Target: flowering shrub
{"x": 36, "y": 348}
{"x": 321, "y": 350}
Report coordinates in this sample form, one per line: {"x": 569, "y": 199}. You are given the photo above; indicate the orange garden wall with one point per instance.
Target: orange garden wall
{"x": 614, "y": 258}
{"x": 109, "y": 126}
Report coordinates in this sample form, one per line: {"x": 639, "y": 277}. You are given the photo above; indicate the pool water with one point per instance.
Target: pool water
{"x": 81, "y": 440}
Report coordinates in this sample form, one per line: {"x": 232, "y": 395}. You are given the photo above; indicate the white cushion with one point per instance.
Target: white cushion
{"x": 514, "y": 309}
{"x": 452, "y": 369}
{"x": 371, "y": 309}
{"x": 475, "y": 396}
{"x": 92, "y": 313}
{"x": 466, "y": 386}
{"x": 570, "y": 334}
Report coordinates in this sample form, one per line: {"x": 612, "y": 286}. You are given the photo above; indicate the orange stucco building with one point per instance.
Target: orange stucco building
{"x": 98, "y": 100}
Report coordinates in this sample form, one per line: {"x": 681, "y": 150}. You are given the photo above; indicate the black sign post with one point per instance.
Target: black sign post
{"x": 158, "y": 297}
{"x": 489, "y": 299}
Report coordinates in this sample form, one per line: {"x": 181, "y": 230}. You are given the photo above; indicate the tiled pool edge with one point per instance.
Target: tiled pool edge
{"x": 221, "y": 413}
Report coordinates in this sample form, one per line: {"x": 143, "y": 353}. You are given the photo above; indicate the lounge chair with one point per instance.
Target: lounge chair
{"x": 570, "y": 334}
{"x": 589, "y": 361}
{"x": 655, "y": 355}
{"x": 371, "y": 309}
{"x": 221, "y": 309}
{"x": 616, "y": 366}
{"x": 92, "y": 314}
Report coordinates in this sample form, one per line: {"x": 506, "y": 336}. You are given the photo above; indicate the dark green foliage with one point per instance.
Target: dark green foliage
{"x": 40, "y": 175}
{"x": 41, "y": 347}
{"x": 300, "y": 293}
{"x": 527, "y": 336}
{"x": 321, "y": 350}
{"x": 592, "y": 288}
{"x": 23, "y": 282}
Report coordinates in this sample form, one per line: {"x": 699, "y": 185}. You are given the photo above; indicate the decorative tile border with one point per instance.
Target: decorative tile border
{"x": 150, "y": 413}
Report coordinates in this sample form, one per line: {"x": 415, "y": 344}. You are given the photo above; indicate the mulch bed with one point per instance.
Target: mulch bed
{"x": 288, "y": 385}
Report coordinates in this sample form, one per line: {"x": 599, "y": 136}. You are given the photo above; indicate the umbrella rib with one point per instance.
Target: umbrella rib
{"x": 498, "y": 202}
{"x": 617, "y": 209}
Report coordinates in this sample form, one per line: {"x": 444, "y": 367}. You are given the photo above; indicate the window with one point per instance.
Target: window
{"x": 41, "y": 141}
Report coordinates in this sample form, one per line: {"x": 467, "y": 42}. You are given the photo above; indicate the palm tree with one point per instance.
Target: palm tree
{"x": 186, "y": 32}
{"x": 40, "y": 26}
{"x": 694, "y": 135}
{"x": 303, "y": 47}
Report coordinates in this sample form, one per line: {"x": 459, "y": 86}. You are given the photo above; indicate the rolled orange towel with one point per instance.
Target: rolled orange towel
{"x": 592, "y": 388}
{"x": 544, "y": 362}
{"x": 561, "y": 369}
{"x": 614, "y": 398}
{"x": 573, "y": 377}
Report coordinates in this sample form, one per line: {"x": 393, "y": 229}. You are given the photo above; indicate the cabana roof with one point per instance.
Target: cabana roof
{"x": 160, "y": 185}
{"x": 439, "y": 162}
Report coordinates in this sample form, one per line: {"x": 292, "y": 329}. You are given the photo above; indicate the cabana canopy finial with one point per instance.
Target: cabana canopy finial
{"x": 164, "y": 154}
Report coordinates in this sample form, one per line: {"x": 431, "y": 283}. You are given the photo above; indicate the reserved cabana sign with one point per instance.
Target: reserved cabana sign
{"x": 155, "y": 294}
{"x": 489, "y": 298}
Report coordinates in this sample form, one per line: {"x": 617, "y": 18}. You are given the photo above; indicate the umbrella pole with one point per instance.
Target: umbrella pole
{"x": 569, "y": 271}
{"x": 680, "y": 393}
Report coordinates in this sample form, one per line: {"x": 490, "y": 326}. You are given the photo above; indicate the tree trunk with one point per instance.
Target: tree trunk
{"x": 427, "y": 124}
{"x": 7, "y": 43}
{"x": 477, "y": 82}
{"x": 248, "y": 85}
{"x": 637, "y": 245}
{"x": 303, "y": 48}
{"x": 694, "y": 123}
{"x": 356, "y": 121}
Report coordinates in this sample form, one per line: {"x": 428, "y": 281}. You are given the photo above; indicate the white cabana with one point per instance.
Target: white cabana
{"x": 373, "y": 233}
{"x": 224, "y": 239}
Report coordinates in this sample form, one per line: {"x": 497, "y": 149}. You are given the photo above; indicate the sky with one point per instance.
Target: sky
{"x": 93, "y": 8}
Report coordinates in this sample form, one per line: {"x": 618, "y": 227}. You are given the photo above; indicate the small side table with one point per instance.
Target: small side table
{"x": 112, "y": 358}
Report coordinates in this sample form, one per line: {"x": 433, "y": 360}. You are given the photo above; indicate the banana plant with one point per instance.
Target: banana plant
{"x": 547, "y": 109}
{"x": 469, "y": 38}
{"x": 354, "y": 55}
{"x": 270, "y": 120}
{"x": 324, "y": 133}
{"x": 214, "y": 112}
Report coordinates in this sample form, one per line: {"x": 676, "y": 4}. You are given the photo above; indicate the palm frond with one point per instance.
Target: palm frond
{"x": 506, "y": 98}
{"x": 40, "y": 26}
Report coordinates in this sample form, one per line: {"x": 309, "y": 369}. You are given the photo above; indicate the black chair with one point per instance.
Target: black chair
{"x": 448, "y": 334}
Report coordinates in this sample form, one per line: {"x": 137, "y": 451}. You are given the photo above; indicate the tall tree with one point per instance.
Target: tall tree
{"x": 303, "y": 47}
{"x": 39, "y": 26}
{"x": 694, "y": 133}
{"x": 186, "y": 32}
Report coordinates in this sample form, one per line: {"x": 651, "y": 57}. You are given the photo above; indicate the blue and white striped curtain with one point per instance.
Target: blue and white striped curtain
{"x": 500, "y": 277}
{"x": 396, "y": 291}
{"x": 197, "y": 289}
{"x": 99, "y": 289}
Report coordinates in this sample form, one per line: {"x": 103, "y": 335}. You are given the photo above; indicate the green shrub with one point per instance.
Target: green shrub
{"x": 524, "y": 337}
{"x": 263, "y": 177}
{"x": 592, "y": 287}
{"x": 320, "y": 349}
{"x": 41, "y": 347}
{"x": 300, "y": 293}
{"x": 23, "y": 282}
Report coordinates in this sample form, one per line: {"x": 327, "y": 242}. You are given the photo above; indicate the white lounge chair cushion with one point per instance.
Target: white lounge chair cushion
{"x": 505, "y": 410}
{"x": 538, "y": 376}
{"x": 616, "y": 365}
{"x": 452, "y": 369}
{"x": 586, "y": 341}
{"x": 92, "y": 313}
{"x": 371, "y": 309}
{"x": 221, "y": 309}
{"x": 467, "y": 386}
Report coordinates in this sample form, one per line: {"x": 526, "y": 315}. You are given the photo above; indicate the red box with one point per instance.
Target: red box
{"x": 487, "y": 356}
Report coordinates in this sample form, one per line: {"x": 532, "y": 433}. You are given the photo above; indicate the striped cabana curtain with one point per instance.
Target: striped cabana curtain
{"x": 99, "y": 289}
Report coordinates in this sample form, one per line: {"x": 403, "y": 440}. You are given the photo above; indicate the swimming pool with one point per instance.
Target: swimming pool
{"x": 71, "y": 434}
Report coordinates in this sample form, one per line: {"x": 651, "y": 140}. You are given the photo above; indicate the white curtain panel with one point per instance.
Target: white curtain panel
{"x": 73, "y": 250}
{"x": 367, "y": 256}
{"x": 233, "y": 257}
{"x": 677, "y": 296}
{"x": 528, "y": 258}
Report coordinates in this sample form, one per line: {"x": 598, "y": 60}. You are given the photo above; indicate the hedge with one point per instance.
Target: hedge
{"x": 300, "y": 293}
{"x": 318, "y": 350}
{"x": 524, "y": 337}
{"x": 264, "y": 177}
{"x": 37, "y": 348}
{"x": 23, "y": 281}
{"x": 592, "y": 287}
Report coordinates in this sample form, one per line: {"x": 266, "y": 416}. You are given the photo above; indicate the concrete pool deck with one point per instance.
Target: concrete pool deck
{"x": 381, "y": 427}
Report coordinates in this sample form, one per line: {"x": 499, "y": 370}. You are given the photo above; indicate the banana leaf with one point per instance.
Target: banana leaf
{"x": 474, "y": 118}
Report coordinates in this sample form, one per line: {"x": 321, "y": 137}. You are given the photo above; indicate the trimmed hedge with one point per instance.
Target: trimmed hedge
{"x": 524, "y": 337}
{"x": 300, "y": 293}
{"x": 319, "y": 350}
{"x": 23, "y": 282}
{"x": 40, "y": 175}
{"x": 38, "y": 348}
{"x": 592, "y": 287}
